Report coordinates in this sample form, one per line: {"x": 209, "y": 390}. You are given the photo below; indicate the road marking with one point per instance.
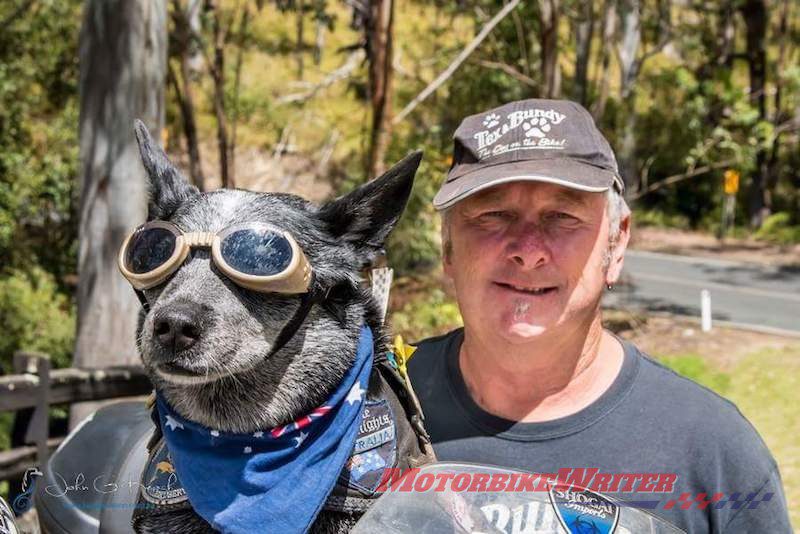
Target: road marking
{"x": 700, "y": 260}
{"x": 715, "y": 285}
{"x": 772, "y": 330}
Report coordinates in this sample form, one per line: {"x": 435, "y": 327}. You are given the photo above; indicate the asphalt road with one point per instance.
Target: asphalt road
{"x": 741, "y": 293}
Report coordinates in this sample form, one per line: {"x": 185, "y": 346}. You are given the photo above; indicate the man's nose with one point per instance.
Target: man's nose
{"x": 529, "y": 247}
{"x": 178, "y": 326}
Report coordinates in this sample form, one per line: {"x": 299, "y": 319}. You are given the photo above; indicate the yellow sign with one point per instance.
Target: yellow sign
{"x": 731, "y": 182}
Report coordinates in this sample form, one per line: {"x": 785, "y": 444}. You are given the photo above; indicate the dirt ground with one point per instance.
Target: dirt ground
{"x": 669, "y": 334}
{"x": 672, "y": 241}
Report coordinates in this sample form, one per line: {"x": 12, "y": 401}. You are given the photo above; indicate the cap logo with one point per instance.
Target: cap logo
{"x": 536, "y": 124}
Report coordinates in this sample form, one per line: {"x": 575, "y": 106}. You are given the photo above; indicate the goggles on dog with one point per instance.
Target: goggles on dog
{"x": 257, "y": 256}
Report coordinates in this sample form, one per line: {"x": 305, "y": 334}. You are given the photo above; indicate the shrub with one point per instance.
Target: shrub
{"x": 34, "y": 316}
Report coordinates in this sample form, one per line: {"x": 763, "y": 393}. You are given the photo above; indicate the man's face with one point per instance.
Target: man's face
{"x": 527, "y": 259}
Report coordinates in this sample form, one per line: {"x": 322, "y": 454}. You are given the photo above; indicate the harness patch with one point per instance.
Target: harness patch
{"x": 375, "y": 447}
{"x": 160, "y": 483}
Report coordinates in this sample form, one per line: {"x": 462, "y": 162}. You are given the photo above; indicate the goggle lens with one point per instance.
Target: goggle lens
{"x": 148, "y": 249}
{"x": 258, "y": 252}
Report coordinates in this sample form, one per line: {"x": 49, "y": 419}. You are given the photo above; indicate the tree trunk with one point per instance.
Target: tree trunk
{"x": 241, "y": 42}
{"x": 608, "y": 30}
{"x": 627, "y": 51}
{"x": 779, "y": 115}
{"x": 548, "y": 41}
{"x": 299, "y": 44}
{"x": 380, "y": 53}
{"x": 755, "y": 16}
{"x": 123, "y": 55}
{"x": 218, "y": 75}
{"x": 184, "y": 37}
{"x": 584, "y": 32}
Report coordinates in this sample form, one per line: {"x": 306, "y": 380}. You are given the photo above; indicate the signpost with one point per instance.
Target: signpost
{"x": 731, "y": 187}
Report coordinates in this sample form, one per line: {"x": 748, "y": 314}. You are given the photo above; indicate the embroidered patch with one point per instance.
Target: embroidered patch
{"x": 160, "y": 483}
{"x": 581, "y": 510}
{"x": 375, "y": 447}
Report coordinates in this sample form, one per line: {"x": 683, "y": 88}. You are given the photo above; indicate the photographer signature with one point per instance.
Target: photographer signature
{"x": 62, "y": 487}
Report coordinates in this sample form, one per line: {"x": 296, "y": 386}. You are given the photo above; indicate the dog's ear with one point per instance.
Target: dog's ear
{"x": 168, "y": 188}
{"x": 365, "y": 216}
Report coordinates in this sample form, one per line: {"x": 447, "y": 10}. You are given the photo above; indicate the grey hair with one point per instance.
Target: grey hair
{"x": 616, "y": 208}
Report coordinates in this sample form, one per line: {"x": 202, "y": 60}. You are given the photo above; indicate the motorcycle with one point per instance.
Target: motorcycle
{"x": 91, "y": 483}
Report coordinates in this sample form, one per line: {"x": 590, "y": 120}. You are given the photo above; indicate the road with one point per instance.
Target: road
{"x": 741, "y": 293}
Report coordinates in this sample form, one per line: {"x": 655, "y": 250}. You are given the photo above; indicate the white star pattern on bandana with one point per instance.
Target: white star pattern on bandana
{"x": 258, "y": 434}
{"x": 215, "y": 433}
{"x": 248, "y": 450}
{"x": 355, "y": 393}
{"x": 172, "y": 423}
{"x": 300, "y": 439}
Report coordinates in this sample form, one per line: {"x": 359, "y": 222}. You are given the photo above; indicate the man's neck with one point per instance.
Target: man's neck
{"x": 544, "y": 380}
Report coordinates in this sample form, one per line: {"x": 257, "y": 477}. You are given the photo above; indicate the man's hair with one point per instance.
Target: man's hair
{"x": 616, "y": 208}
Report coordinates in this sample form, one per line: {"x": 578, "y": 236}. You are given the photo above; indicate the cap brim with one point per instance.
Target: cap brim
{"x": 566, "y": 173}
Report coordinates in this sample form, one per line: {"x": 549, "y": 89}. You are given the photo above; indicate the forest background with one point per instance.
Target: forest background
{"x": 317, "y": 96}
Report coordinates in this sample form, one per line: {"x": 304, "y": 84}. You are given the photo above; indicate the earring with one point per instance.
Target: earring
{"x": 609, "y": 286}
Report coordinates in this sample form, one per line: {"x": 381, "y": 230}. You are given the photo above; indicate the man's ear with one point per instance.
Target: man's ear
{"x": 168, "y": 188}
{"x": 618, "y": 251}
{"x": 365, "y": 216}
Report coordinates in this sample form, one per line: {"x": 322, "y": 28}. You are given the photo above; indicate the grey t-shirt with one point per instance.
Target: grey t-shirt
{"x": 656, "y": 440}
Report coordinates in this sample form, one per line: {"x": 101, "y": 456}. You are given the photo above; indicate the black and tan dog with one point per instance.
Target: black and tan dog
{"x": 256, "y": 345}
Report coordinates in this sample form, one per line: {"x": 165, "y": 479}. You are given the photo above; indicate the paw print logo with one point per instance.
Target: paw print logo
{"x": 491, "y": 120}
{"x": 536, "y": 127}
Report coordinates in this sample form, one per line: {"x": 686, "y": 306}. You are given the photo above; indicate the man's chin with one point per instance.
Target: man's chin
{"x": 526, "y": 330}
{"x": 521, "y": 333}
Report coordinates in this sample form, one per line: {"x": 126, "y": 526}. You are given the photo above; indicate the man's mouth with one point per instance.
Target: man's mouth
{"x": 528, "y": 290}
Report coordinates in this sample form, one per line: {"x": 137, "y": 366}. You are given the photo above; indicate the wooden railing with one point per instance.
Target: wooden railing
{"x": 35, "y": 387}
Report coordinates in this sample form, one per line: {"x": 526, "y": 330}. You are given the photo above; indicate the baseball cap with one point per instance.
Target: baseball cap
{"x": 538, "y": 140}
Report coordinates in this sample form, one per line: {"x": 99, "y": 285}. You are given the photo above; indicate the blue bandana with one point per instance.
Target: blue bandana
{"x": 276, "y": 480}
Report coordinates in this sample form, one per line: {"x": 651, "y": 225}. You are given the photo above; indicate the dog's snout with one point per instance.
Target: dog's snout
{"x": 178, "y": 327}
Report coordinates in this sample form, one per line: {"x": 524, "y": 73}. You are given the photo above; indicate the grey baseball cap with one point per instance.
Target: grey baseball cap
{"x": 537, "y": 140}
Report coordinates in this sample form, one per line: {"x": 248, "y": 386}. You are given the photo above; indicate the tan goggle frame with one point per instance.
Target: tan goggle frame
{"x": 296, "y": 278}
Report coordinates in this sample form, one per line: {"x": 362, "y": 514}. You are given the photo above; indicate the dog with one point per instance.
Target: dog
{"x": 241, "y": 362}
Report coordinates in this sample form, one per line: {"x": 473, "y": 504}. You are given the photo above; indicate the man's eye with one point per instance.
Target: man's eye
{"x": 564, "y": 217}
{"x": 496, "y": 215}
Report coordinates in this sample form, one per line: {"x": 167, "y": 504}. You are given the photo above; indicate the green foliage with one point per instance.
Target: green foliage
{"x": 697, "y": 368}
{"x": 431, "y": 315}
{"x": 778, "y": 229}
{"x": 38, "y": 135}
{"x": 654, "y": 217}
{"x": 34, "y": 316}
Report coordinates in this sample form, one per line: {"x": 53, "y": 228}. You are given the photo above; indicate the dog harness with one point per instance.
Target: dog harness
{"x": 386, "y": 433}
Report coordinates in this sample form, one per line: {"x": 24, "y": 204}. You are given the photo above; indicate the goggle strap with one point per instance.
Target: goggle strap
{"x": 313, "y": 296}
{"x": 142, "y": 299}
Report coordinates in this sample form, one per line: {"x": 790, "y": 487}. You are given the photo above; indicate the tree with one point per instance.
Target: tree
{"x": 123, "y": 54}
{"x": 379, "y": 28}
{"x": 548, "y": 41}
{"x": 186, "y": 29}
{"x": 756, "y": 17}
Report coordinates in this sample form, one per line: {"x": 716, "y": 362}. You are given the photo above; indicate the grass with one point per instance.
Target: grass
{"x": 765, "y": 385}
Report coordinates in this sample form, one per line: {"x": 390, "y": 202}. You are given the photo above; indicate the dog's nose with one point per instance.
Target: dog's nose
{"x": 178, "y": 327}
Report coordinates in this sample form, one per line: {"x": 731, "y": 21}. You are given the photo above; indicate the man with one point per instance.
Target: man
{"x": 534, "y": 230}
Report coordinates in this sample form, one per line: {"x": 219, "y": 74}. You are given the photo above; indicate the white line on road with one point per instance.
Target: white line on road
{"x": 715, "y": 285}
{"x": 698, "y": 260}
